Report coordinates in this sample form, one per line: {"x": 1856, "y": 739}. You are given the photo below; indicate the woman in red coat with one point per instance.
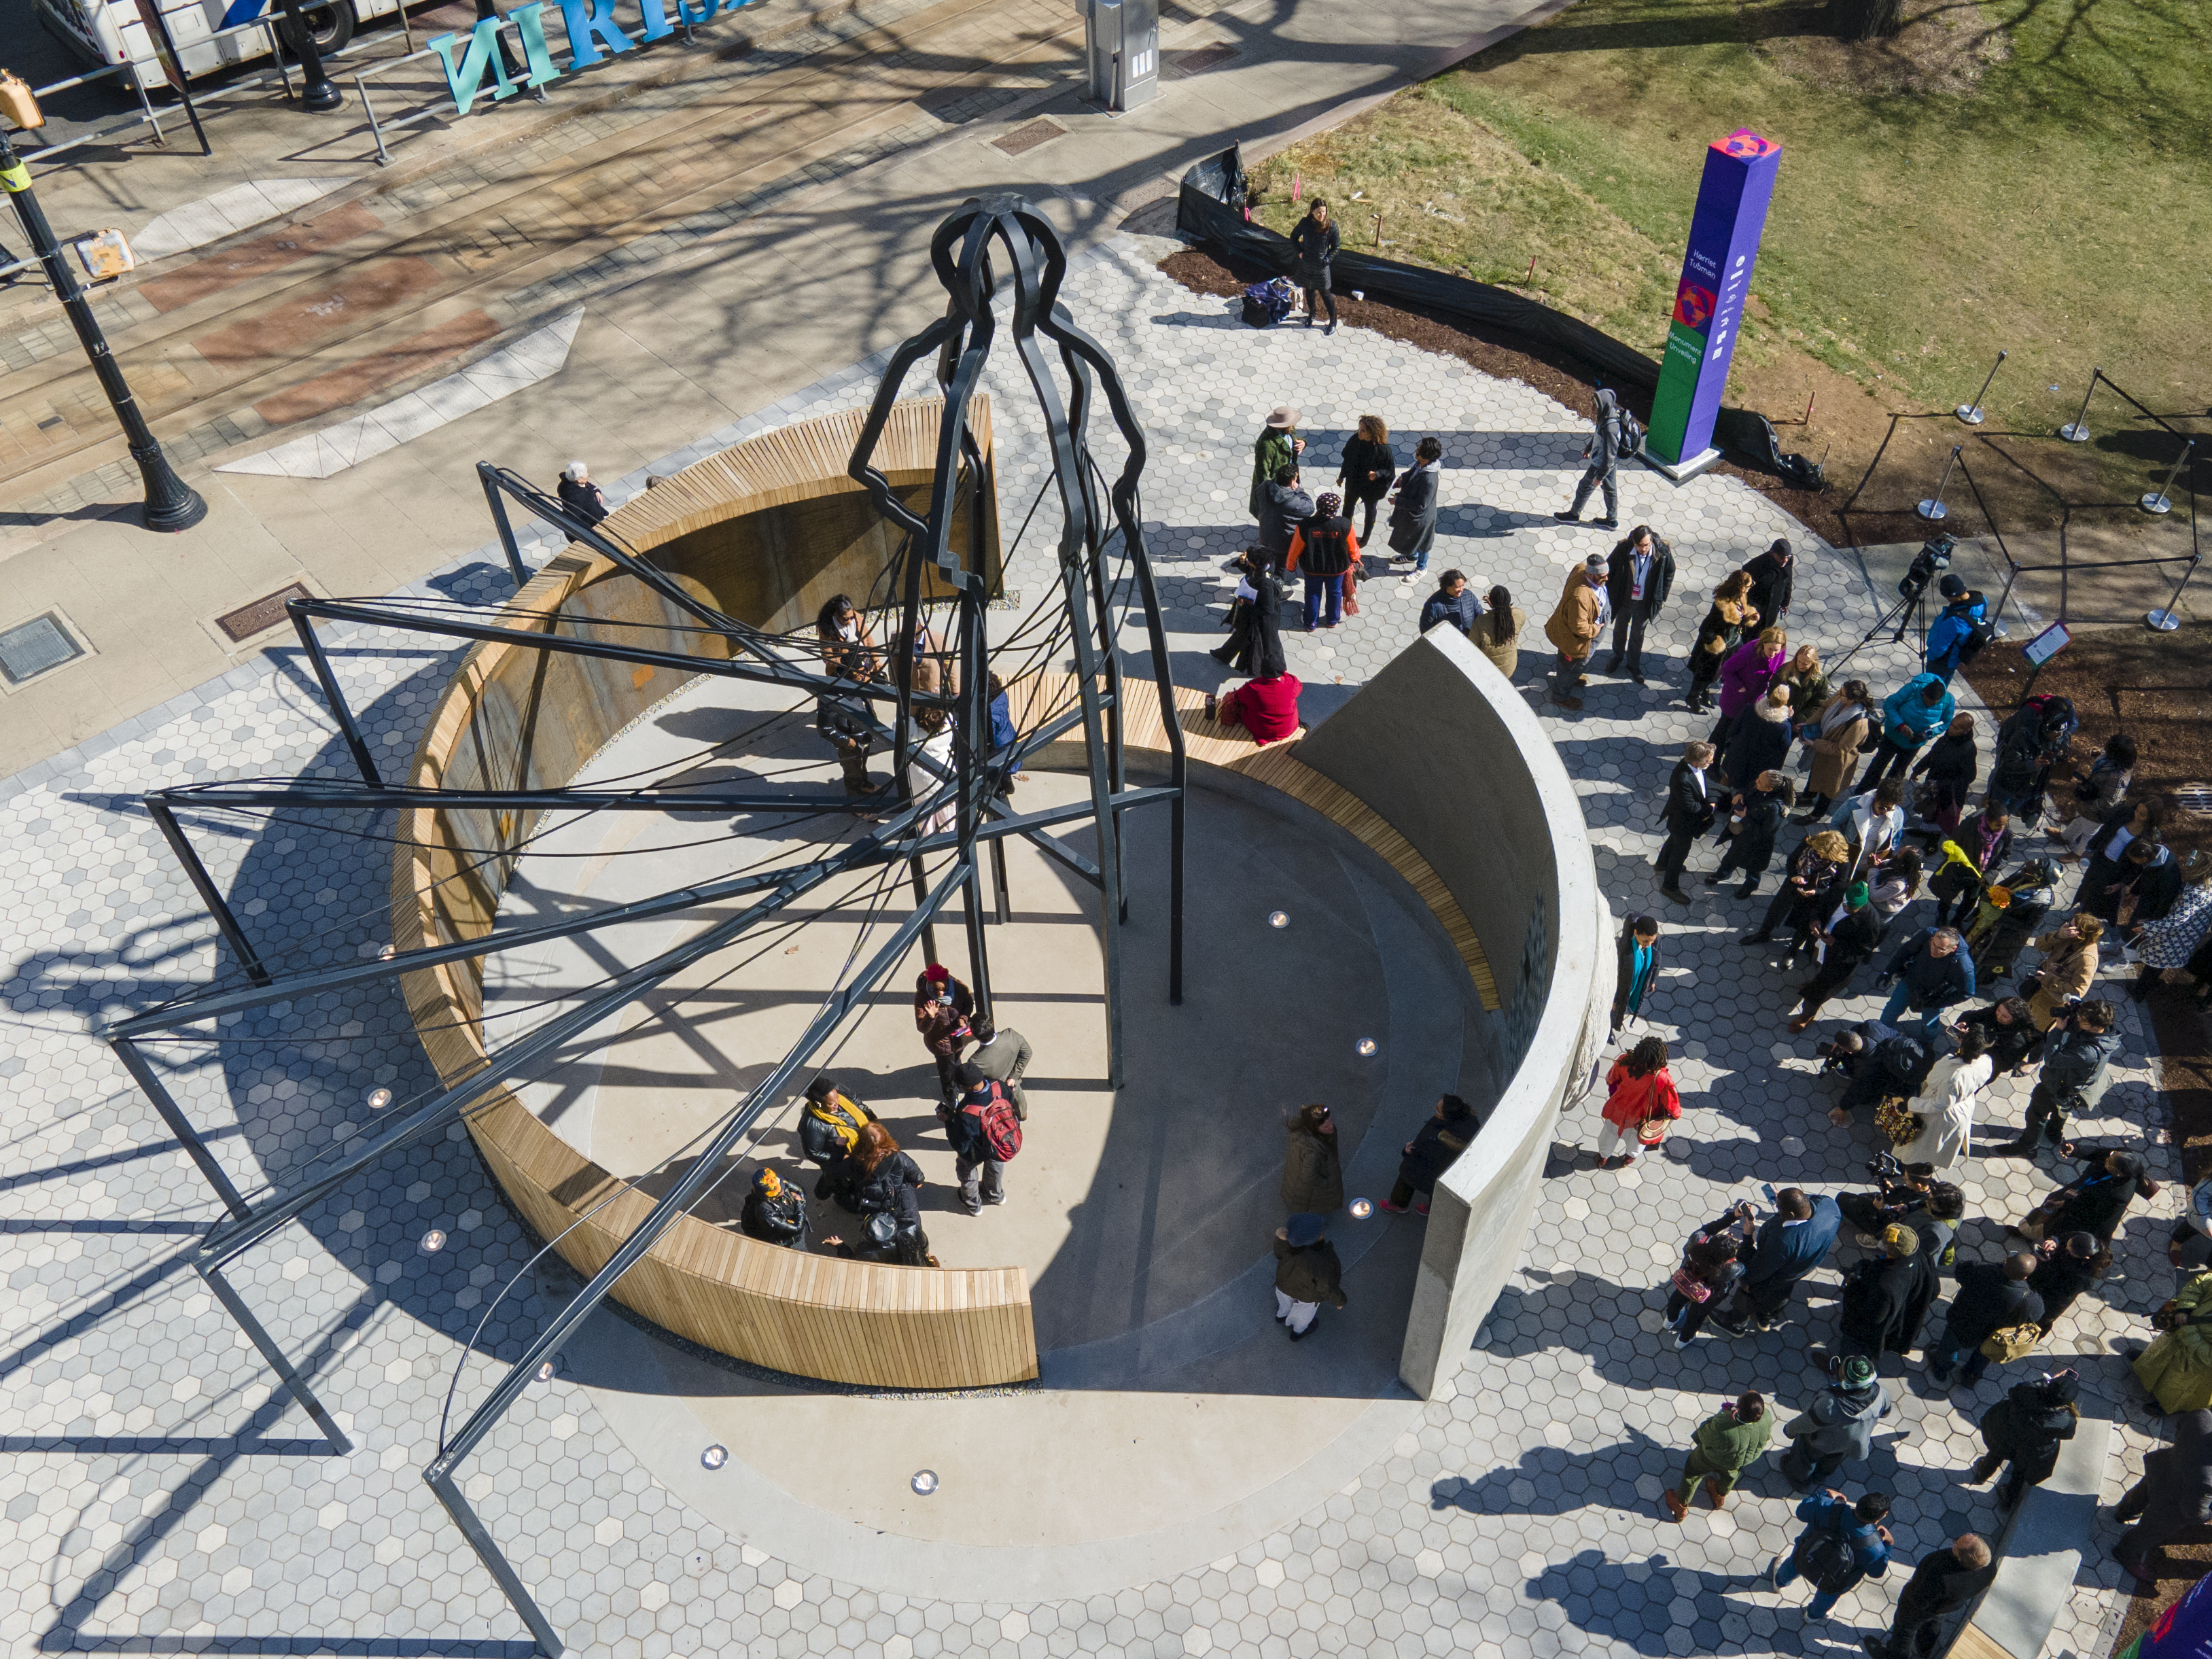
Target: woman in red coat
{"x": 1640, "y": 1101}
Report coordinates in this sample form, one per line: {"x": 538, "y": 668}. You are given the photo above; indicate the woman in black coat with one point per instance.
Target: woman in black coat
{"x": 1431, "y": 1152}
{"x": 1759, "y": 741}
{"x": 774, "y": 1213}
{"x": 2069, "y": 1266}
{"x": 1751, "y": 837}
{"x": 2096, "y": 1203}
{"x": 1949, "y": 768}
{"x": 2026, "y": 1428}
{"x": 1367, "y": 470}
{"x": 1413, "y": 514}
{"x": 1314, "y": 242}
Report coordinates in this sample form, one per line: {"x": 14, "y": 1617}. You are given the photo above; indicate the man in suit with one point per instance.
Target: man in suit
{"x": 1003, "y": 1057}
{"x": 1637, "y": 578}
{"x": 1689, "y": 814}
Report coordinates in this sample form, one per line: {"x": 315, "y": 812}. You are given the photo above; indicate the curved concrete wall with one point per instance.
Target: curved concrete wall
{"x": 1442, "y": 746}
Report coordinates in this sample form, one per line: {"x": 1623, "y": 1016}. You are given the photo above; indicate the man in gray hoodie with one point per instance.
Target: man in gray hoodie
{"x": 1603, "y": 454}
{"x": 1837, "y": 1427}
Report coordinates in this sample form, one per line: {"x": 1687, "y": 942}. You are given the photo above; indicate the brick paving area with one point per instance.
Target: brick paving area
{"x": 157, "y": 1497}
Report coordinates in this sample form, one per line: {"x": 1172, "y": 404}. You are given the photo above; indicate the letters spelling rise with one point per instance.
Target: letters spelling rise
{"x": 586, "y": 19}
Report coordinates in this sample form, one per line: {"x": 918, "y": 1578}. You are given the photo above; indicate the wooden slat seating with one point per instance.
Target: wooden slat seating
{"x": 1212, "y": 743}
{"x": 514, "y": 717}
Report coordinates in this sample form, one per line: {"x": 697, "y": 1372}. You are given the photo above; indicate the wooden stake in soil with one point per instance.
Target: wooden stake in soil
{"x": 1378, "y": 230}
{"x": 1529, "y": 280}
{"x": 1809, "y": 397}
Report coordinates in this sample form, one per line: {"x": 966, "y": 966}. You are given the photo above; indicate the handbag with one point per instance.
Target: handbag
{"x": 2011, "y": 1343}
{"x": 1899, "y": 1125}
{"x": 1691, "y": 1286}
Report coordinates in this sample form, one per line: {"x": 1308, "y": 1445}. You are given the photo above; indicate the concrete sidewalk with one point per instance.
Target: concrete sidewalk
{"x": 682, "y": 335}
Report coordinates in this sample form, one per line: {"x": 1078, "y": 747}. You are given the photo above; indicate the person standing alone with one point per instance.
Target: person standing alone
{"x": 1639, "y": 577}
{"x": 1602, "y": 451}
{"x": 1314, "y": 242}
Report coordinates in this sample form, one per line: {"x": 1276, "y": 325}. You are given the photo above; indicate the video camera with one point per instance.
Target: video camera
{"x": 1935, "y": 555}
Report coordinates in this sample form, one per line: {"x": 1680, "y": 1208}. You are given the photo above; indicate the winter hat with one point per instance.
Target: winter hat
{"x": 1305, "y": 1228}
{"x": 1326, "y": 503}
{"x": 1901, "y": 1238}
{"x": 1283, "y": 417}
{"x": 1858, "y": 1371}
{"x": 1857, "y": 895}
{"x": 1951, "y": 587}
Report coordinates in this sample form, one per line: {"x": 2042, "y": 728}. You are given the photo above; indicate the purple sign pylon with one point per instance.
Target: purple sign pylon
{"x": 1724, "y": 231}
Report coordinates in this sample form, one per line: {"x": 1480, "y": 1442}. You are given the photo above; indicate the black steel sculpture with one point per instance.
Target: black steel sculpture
{"x": 1002, "y": 243}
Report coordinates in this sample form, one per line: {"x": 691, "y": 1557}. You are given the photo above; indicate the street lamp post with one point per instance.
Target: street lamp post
{"x": 318, "y": 92}
{"x": 170, "y": 503}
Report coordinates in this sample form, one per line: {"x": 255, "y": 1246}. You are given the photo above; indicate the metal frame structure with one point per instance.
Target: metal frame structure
{"x": 1001, "y": 241}
{"x": 2076, "y": 431}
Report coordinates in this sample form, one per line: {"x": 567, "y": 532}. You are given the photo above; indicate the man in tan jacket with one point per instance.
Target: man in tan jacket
{"x": 1574, "y": 627}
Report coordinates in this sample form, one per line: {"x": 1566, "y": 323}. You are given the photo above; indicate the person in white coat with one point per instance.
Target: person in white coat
{"x": 1947, "y": 1104}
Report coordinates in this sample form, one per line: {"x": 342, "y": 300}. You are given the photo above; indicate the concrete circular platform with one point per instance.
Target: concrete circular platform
{"x": 1172, "y": 1423}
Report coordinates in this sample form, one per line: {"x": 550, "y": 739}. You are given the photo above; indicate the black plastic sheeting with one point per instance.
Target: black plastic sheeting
{"x": 1210, "y": 207}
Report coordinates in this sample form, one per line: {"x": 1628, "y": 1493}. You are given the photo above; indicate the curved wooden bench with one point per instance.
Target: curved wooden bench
{"x": 765, "y": 530}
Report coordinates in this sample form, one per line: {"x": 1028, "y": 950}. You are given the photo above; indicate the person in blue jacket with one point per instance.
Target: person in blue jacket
{"x": 1843, "y": 1542}
{"x": 1929, "y": 972}
{"x": 1791, "y": 1243}
{"x": 1911, "y": 714}
{"x": 1948, "y": 633}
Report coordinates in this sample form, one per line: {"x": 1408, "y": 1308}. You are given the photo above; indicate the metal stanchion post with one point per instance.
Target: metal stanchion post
{"x": 317, "y": 92}
{"x": 1933, "y": 509}
{"x": 2167, "y": 620}
{"x": 170, "y": 503}
{"x": 2076, "y": 431}
{"x": 1971, "y": 413}
{"x": 2160, "y": 500}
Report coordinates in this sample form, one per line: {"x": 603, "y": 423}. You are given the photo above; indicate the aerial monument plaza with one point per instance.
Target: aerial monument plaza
{"x": 635, "y": 913}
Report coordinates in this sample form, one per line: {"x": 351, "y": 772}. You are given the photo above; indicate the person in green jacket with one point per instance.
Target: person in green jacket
{"x": 1726, "y": 1444}
{"x": 1276, "y": 447}
{"x": 2177, "y": 1368}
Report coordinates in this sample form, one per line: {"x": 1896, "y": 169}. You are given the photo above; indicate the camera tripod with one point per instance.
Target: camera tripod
{"x": 1908, "y": 614}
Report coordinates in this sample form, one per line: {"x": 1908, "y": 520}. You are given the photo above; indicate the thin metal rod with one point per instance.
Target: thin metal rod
{"x": 226, "y": 1241}
{"x": 203, "y": 885}
{"x": 184, "y": 91}
{"x": 293, "y": 987}
{"x": 790, "y": 678}
{"x": 921, "y": 899}
{"x": 2165, "y": 491}
{"x": 496, "y": 1564}
{"x": 2077, "y": 431}
{"x": 1971, "y": 413}
{"x": 1000, "y": 889}
{"x": 312, "y": 793}
{"x": 705, "y": 1169}
{"x": 304, "y": 626}
{"x": 495, "y": 500}
{"x": 211, "y": 1272}
{"x": 2178, "y": 586}
{"x": 150, "y": 1084}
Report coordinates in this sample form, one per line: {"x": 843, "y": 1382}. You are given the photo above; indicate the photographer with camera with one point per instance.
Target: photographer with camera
{"x": 1789, "y": 1245}
{"x": 1910, "y": 1195}
{"x": 1879, "y": 1061}
{"x": 2077, "y": 1050}
{"x": 1959, "y": 631}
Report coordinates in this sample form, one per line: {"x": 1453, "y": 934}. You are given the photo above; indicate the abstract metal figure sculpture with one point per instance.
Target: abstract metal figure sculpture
{"x": 971, "y": 785}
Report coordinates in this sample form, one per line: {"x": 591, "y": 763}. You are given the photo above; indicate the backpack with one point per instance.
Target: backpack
{"x": 1267, "y": 303}
{"x": 1906, "y": 1059}
{"x": 1628, "y": 434}
{"x": 994, "y": 1115}
{"x": 1830, "y": 1565}
{"x": 1976, "y": 638}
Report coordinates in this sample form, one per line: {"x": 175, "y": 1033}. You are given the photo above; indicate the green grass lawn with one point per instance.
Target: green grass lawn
{"x": 2024, "y": 174}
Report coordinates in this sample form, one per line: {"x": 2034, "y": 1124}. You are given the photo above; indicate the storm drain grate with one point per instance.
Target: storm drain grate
{"x": 264, "y": 613}
{"x": 33, "y": 647}
{"x": 1198, "y": 59}
{"x": 2194, "y": 797}
{"x": 1029, "y": 137}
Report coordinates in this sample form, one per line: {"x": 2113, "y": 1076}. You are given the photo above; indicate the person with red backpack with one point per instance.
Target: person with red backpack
{"x": 986, "y": 1133}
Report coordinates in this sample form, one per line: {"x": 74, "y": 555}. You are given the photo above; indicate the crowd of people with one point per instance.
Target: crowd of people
{"x": 861, "y": 1168}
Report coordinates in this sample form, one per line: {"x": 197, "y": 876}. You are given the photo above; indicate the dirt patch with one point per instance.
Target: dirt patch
{"x": 1944, "y": 47}
{"x": 1560, "y": 376}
